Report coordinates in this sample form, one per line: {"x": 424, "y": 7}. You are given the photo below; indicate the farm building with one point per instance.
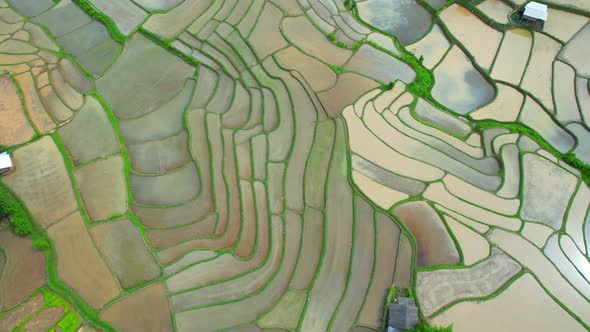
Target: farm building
{"x": 402, "y": 314}
{"x": 5, "y": 163}
{"x": 534, "y": 15}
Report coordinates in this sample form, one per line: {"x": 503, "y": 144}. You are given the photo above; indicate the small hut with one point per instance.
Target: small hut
{"x": 402, "y": 314}
{"x": 5, "y": 163}
{"x": 534, "y": 15}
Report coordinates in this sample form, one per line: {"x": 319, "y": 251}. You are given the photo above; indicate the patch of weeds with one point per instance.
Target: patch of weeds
{"x": 340, "y": 43}
{"x": 425, "y": 327}
{"x": 350, "y": 5}
{"x": 40, "y": 243}
{"x": 571, "y": 159}
{"x": 69, "y": 322}
{"x": 358, "y": 44}
{"x": 331, "y": 36}
{"x": 337, "y": 69}
{"x": 386, "y": 87}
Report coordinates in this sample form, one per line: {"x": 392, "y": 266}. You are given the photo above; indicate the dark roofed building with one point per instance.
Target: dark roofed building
{"x": 402, "y": 314}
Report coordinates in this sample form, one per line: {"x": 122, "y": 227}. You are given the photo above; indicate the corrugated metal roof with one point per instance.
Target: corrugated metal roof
{"x": 5, "y": 161}
{"x": 536, "y": 10}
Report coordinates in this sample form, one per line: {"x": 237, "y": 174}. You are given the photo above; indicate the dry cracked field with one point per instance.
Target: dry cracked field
{"x": 278, "y": 165}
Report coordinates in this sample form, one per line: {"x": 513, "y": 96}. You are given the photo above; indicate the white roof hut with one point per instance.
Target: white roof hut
{"x": 535, "y": 14}
{"x": 5, "y": 162}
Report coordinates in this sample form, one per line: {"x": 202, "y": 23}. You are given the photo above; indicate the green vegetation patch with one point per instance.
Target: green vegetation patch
{"x": 11, "y": 207}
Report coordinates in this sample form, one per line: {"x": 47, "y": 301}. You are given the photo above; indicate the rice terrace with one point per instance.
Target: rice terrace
{"x": 294, "y": 165}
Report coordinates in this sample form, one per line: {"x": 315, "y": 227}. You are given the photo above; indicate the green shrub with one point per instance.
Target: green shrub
{"x": 340, "y": 43}
{"x": 9, "y": 206}
{"x": 358, "y": 44}
{"x": 386, "y": 87}
{"x": 331, "y": 36}
{"x": 41, "y": 243}
{"x": 424, "y": 327}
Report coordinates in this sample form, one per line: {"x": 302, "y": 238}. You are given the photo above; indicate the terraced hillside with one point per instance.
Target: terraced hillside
{"x": 225, "y": 165}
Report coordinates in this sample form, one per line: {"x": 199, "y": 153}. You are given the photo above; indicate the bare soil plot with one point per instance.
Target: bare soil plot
{"x": 387, "y": 240}
{"x": 244, "y": 285}
{"x": 92, "y": 46}
{"x": 303, "y": 35}
{"x": 24, "y": 270}
{"x": 480, "y": 197}
{"x": 562, "y": 31}
{"x": 581, "y": 134}
{"x": 382, "y": 195}
{"x": 63, "y": 18}
{"x": 102, "y": 188}
{"x": 153, "y": 5}
{"x": 14, "y": 128}
{"x": 42, "y": 182}
{"x": 536, "y": 233}
{"x": 380, "y": 66}
{"x": 189, "y": 259}
{"x": 164, "y": 122}
{"x": 74, "y": 76}
{"x": 266, "y": 37}
{"x": 508, "y": 311}
{"x": 548, "y": 275}
{"x": 566, "y": 268}
{"x": 504, "y": 108}
{"x": 577, "y": 215}
{"x": 311, "y": 249}
{"x": 406, "y": 20}
{"x": 152, "y": 77}
{"x": 348, "y": 89}
{"x": 496, "y": 10}
{"x": 331, "y": 277}
{"x": 126, "y": 15}
{"x": 547, "y": 189}
{"x": 54, "y": 106}
{"x": 535, "y": 117}
{"x": 126, "y": 253}
{"x": 513, "y": 56}
{"x": 286, "y": 312}
{"x": 247, "y": 310}
{"x": 577, "y": 258}
{"x": 474, "y": 247}
{"x": 365, "y": 144}
{"x": 438, "y": 118}
{"x": 11, "y": 319}
{"x": 79, "y": 264}
{"x": 145, "y": 310}
{"x": 32, "y": 102}
{"x": 436, "y": 289}
{"x": 362, "y": 263}
{"x": 161, "y": 238}
{"x": 69, "y": 95}
{"x": 404, "y": 264}
{"x": 437, "y": 192}
{"x": 435, "y": 245}
{"x": 319, "y": 76}
{"x": 574, "y": 52}
{"x": 432, "y": 47}
{"x": 387, "y": 178}
{"x": 458, "y": 85}
{"x": 161, "y": 156}
{"x": 538, "y": 77}
{"x": 44, "y": 320}
{"x": 172, "y": 23}
{"x": 510, "y": 160}
{"x": 163, "y": 217}
{"x": 173, "y": 188}
{"x": 31, "y": 7}
{"x": 481, "y": 40}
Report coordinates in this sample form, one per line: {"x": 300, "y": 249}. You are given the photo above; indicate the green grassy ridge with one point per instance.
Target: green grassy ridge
{"x": 89, "y": 9}
{"x": 569, "y": 158}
